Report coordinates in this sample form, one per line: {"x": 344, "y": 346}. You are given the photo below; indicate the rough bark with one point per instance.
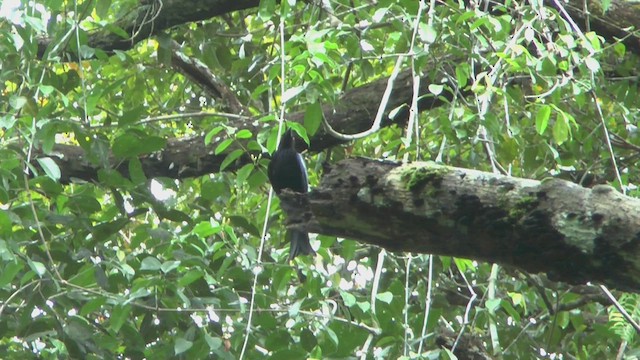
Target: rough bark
{"x": 573, "y": 234}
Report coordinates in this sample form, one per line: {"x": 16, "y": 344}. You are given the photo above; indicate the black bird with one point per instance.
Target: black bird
{"x": 288, "y": 171}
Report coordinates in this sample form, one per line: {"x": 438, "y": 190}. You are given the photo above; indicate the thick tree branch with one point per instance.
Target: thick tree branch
{"x": 572, "y": 233}
{"x": 200, "y": 74}
{"x": 189, "y": 157}
{"x": 153, "y": 17}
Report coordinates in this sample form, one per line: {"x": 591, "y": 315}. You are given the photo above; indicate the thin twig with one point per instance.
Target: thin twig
{"x": 376, "y": 279}
{"x": 381, "y": 108}
{"x": 427, "y": 308}
{"x": 621, "y": 309}
{"x": 266, "y": 219}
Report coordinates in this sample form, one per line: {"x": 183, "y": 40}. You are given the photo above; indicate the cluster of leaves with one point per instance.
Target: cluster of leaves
{"x": 134, "y": 267}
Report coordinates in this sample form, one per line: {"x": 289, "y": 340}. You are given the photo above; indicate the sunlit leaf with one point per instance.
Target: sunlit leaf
{"x": 385, "y": 297}
{"x": 50, "y": 167}
{"x": 291, "y": 93}
{"x": 313, "y": 118}
{"x": 542, "y": 118}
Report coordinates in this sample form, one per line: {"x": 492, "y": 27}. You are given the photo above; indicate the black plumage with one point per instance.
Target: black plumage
{"x": 288, "y": 171}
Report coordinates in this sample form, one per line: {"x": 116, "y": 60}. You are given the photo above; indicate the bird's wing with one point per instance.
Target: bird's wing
{"x": 271, "y": 171}
{"x": 304, "y": 185}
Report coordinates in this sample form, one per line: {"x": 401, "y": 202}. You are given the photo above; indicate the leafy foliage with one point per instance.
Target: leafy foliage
{"x": 135, "y": 267}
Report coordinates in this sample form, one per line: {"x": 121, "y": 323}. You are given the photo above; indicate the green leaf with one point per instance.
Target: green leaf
{"x": 332, "y": 336}
{"x": 211, "y": 190}
{"x": 6, "y": 225}
{"x": 131, "y": 116}
{"x": 163, "y": 52}
{"x": 245, "y": 224}
{"x": 206, "y": 228}
{"x": 181, "y": 345}
{"x": 50, "y": 167}
{"x": 463, "y": 264}
{"x": 137, "y": 294}
{"x": 7, "y": 121}
{"x": 190, "y": 276}
{"x": 85, "y": 277}
{"x": 619, "y": 48}
{"x": 506, "y": 306}
{"x": 542, "y": 118}
{"x": 436, "y": 89}
{"x": 127, "y": 270}
{"x": 592, "y": 64}
{"x": 267, "y": 9}
{"x": 175, "y": 215}
{"x": 77, "y": 328}
{"x": 9, "y": 272}
{"x": 365, "y": 306}
{"x": 105, "y": 230}
{"x": 285, "y": 7}
{"x": 462, "y": 75}
{"x": 243, "y": 134}
{"x": 222, "y": 146}
{"x": 136, "y": 174}
{"x": 294, "y": 309}
{"x": 243, "y": 173}
{"x": 493, "y": 304}
{"x": 214, "y": 342}
{"x": 560, "y": 130}
{"x": 150, "y": 263}
{"x": 134, "y": 144}
{"x": 119, "y": 316}
{"x": 395, "y": 111}
{"x": 257, "y": 179}
{"x": 37, "y": 267}
{"x": 449, "y": 354}
{"x": 85, "y": 204}
{"x": 170, "y": 265}
{"x": 46, "y": 90}
{"x": 233, "y": 156}
{"x": 92, "y": 305}
{"x": 427, "y": 33}
{"x": 291, "y": 93}
{"x": 385, "y": 297}
{"x": 102, "y": 8}
{"x": 313, "y": 118}
{"x": 594, "y": 39}
{"x": 349, "y": 300}
{"x": 17, "y": 102}
{"x": 517, "y": 299}
{"x": 300, "y": 130}
{"x": 213, "y": 132}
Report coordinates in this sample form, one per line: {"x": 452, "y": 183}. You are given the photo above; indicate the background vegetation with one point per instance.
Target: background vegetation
{"x": 103, "y": 255}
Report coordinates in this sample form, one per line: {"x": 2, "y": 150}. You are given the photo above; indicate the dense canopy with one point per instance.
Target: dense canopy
{"x": 137, "y": 221}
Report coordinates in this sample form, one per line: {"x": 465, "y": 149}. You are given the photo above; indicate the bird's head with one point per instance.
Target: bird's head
{"x": 288, "y": 141}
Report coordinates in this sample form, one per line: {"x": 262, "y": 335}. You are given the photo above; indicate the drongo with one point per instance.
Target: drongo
{"x": 288, "y": 171}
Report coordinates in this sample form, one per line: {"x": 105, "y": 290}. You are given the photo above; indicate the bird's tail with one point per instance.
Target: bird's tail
{"x": 299, "y": 244}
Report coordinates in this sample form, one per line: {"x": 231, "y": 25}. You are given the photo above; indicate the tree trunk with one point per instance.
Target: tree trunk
{"x": 574, "y": 234}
